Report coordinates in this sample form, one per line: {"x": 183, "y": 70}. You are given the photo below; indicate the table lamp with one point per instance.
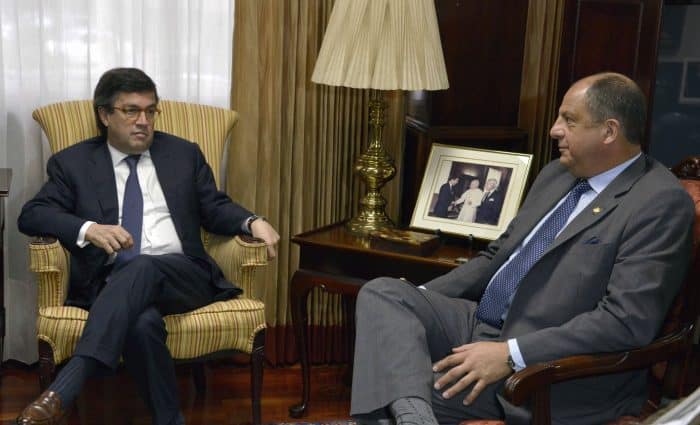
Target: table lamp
{"x": 380, "y": 45}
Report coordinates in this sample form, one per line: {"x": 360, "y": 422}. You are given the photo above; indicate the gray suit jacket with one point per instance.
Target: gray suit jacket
{"x": 604, "y": 285}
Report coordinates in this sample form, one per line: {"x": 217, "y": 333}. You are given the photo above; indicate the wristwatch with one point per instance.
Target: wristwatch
{"x": 511, "y": 362}
{"x": 251, "y": 219}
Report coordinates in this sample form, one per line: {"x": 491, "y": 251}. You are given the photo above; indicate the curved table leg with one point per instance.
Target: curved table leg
{"x": 300, "y": 286}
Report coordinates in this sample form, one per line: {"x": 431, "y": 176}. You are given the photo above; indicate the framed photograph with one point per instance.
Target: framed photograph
{"x": 467, "y": 191}
{"x": 690, "y": 82}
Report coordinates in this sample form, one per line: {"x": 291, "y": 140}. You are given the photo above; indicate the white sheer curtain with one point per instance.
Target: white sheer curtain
{"x": 54, "y": 50}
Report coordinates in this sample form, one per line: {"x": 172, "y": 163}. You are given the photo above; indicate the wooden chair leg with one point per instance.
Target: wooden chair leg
{"x": 200, "y": 378}
{"x": 349, "y": 317}
{"x": 47, "y": 368}
{"x": 256, "y": 374}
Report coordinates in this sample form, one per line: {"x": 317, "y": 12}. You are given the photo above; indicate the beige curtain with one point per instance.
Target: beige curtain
{"x": 292, "y": 154}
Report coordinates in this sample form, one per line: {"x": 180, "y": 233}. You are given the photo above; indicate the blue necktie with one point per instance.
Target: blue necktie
{"x": 132, "y": 210}
{"x": 498, "y": 293}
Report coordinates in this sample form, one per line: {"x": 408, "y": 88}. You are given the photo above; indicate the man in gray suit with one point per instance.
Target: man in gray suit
{"x": 591, "y": 263}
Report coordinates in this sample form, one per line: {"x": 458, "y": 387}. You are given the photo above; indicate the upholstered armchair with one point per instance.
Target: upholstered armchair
{"x": 221, "y": 328}
{"x": 668, "y": 358}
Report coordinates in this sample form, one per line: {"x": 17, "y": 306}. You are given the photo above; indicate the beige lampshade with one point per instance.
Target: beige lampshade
{"x": 382, "y": 44}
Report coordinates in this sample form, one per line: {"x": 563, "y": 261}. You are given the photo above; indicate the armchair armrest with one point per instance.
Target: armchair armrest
{"x": 534, "y": 382}
{"x": 51, "y": 263}
{"x": 239, "y": 257}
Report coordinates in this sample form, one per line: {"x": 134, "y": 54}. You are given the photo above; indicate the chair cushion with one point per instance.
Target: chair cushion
{"x": 223, "y": 325}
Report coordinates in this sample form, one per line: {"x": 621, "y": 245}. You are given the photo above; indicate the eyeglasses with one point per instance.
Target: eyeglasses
{"x": 133, "y": 113}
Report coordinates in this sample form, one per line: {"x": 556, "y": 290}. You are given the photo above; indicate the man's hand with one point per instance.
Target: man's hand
{"x": 111, "y": 238}
{"x": 480, "y": 363}
{"x": 260, "y": 228}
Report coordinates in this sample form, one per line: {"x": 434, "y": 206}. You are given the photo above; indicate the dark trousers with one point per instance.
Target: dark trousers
{"x": 401, "y": 331}
{"x": 126, "y": 320}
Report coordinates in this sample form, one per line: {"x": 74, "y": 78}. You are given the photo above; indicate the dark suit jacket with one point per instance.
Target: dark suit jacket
{"x": 490, "y": 208}
{"x": 445, "y": 198}
{"x": 605, "y": 284}
{"x": 81, "y": 186}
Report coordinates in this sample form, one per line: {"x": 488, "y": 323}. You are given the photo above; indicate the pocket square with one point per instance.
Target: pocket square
{"x": 592, "y": 241}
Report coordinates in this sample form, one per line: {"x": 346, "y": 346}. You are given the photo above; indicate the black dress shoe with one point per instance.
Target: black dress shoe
{"x": 45, "y": 410}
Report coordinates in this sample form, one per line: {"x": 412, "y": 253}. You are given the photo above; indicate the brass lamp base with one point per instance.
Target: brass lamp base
{"x": 371, "y": 217}
{"x": 375, "y": 168}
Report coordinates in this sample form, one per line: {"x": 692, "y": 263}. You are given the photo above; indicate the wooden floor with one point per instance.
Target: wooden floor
{"x": 113, "y": 400}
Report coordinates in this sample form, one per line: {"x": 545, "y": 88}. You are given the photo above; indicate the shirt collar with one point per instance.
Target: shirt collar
{"x": 601, "y": 181}
{"x": 118, "y": 156}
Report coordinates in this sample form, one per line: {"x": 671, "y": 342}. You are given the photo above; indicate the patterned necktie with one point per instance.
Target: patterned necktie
{"x": 502, "y": 287}
{"x": 132, "y": 210}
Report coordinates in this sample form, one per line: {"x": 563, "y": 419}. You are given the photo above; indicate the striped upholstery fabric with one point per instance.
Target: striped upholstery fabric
{"x": 223, "y": 325}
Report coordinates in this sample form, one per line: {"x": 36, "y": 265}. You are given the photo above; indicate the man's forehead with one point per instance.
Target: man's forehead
{"x": 574, "y": 103}
{"x": 137, "y": 98}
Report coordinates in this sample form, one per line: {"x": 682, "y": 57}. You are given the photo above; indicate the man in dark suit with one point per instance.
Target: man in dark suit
{"x": 129, "y": 205}
{"x": 446, "y": 197}
{"x": 489, "y": 210}
{"x": 591, "y": 263}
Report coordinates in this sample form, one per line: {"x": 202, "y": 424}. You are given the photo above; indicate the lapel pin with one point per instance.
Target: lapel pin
{"x": 596, "y": 210}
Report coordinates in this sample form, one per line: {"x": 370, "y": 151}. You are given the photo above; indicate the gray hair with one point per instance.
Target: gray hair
{"x": 615, "y": 96}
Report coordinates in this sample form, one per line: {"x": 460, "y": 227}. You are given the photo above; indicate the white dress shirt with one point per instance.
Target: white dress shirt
{"x": 158, "y": 235}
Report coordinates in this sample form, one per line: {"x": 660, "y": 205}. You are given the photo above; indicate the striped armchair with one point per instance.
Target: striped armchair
{"x": 221, "y": 328}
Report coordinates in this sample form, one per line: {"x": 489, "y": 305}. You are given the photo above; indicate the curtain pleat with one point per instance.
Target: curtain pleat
{"x": 538, "y": 102}
{"x": 292, "y": 156}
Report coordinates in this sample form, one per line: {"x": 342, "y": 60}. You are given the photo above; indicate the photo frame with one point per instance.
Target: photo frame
{"x": 468, "y": 191}
{"x": 690, "y": 82}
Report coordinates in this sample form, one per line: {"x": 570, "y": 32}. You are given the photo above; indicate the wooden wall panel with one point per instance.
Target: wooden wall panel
{"x": 596, "y": 48}
{"x": 610, "y": 35}
{"x": 483, "y": 43}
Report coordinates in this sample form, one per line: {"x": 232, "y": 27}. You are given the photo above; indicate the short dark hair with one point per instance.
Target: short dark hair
{"x": 116, "y": 81}
{"x": 613, "y": 95}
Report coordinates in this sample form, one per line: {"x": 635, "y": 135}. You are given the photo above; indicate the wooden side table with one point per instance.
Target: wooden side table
{"x": 5, "y": 179}
{"x": 340, "y": 262}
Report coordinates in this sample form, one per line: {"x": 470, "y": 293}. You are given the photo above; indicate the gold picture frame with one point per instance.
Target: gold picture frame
{"x": 469, "y": 191}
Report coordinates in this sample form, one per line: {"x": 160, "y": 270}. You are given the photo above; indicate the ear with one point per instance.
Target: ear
{"x": 611, "y": 131}
{"x": 104, "y": 115}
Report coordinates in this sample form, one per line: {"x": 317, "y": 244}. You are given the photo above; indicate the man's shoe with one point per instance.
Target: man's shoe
{"x": 45, "y": 410}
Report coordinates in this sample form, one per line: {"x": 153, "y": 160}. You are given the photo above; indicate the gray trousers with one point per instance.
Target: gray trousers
{"x": 401, "y": 331}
